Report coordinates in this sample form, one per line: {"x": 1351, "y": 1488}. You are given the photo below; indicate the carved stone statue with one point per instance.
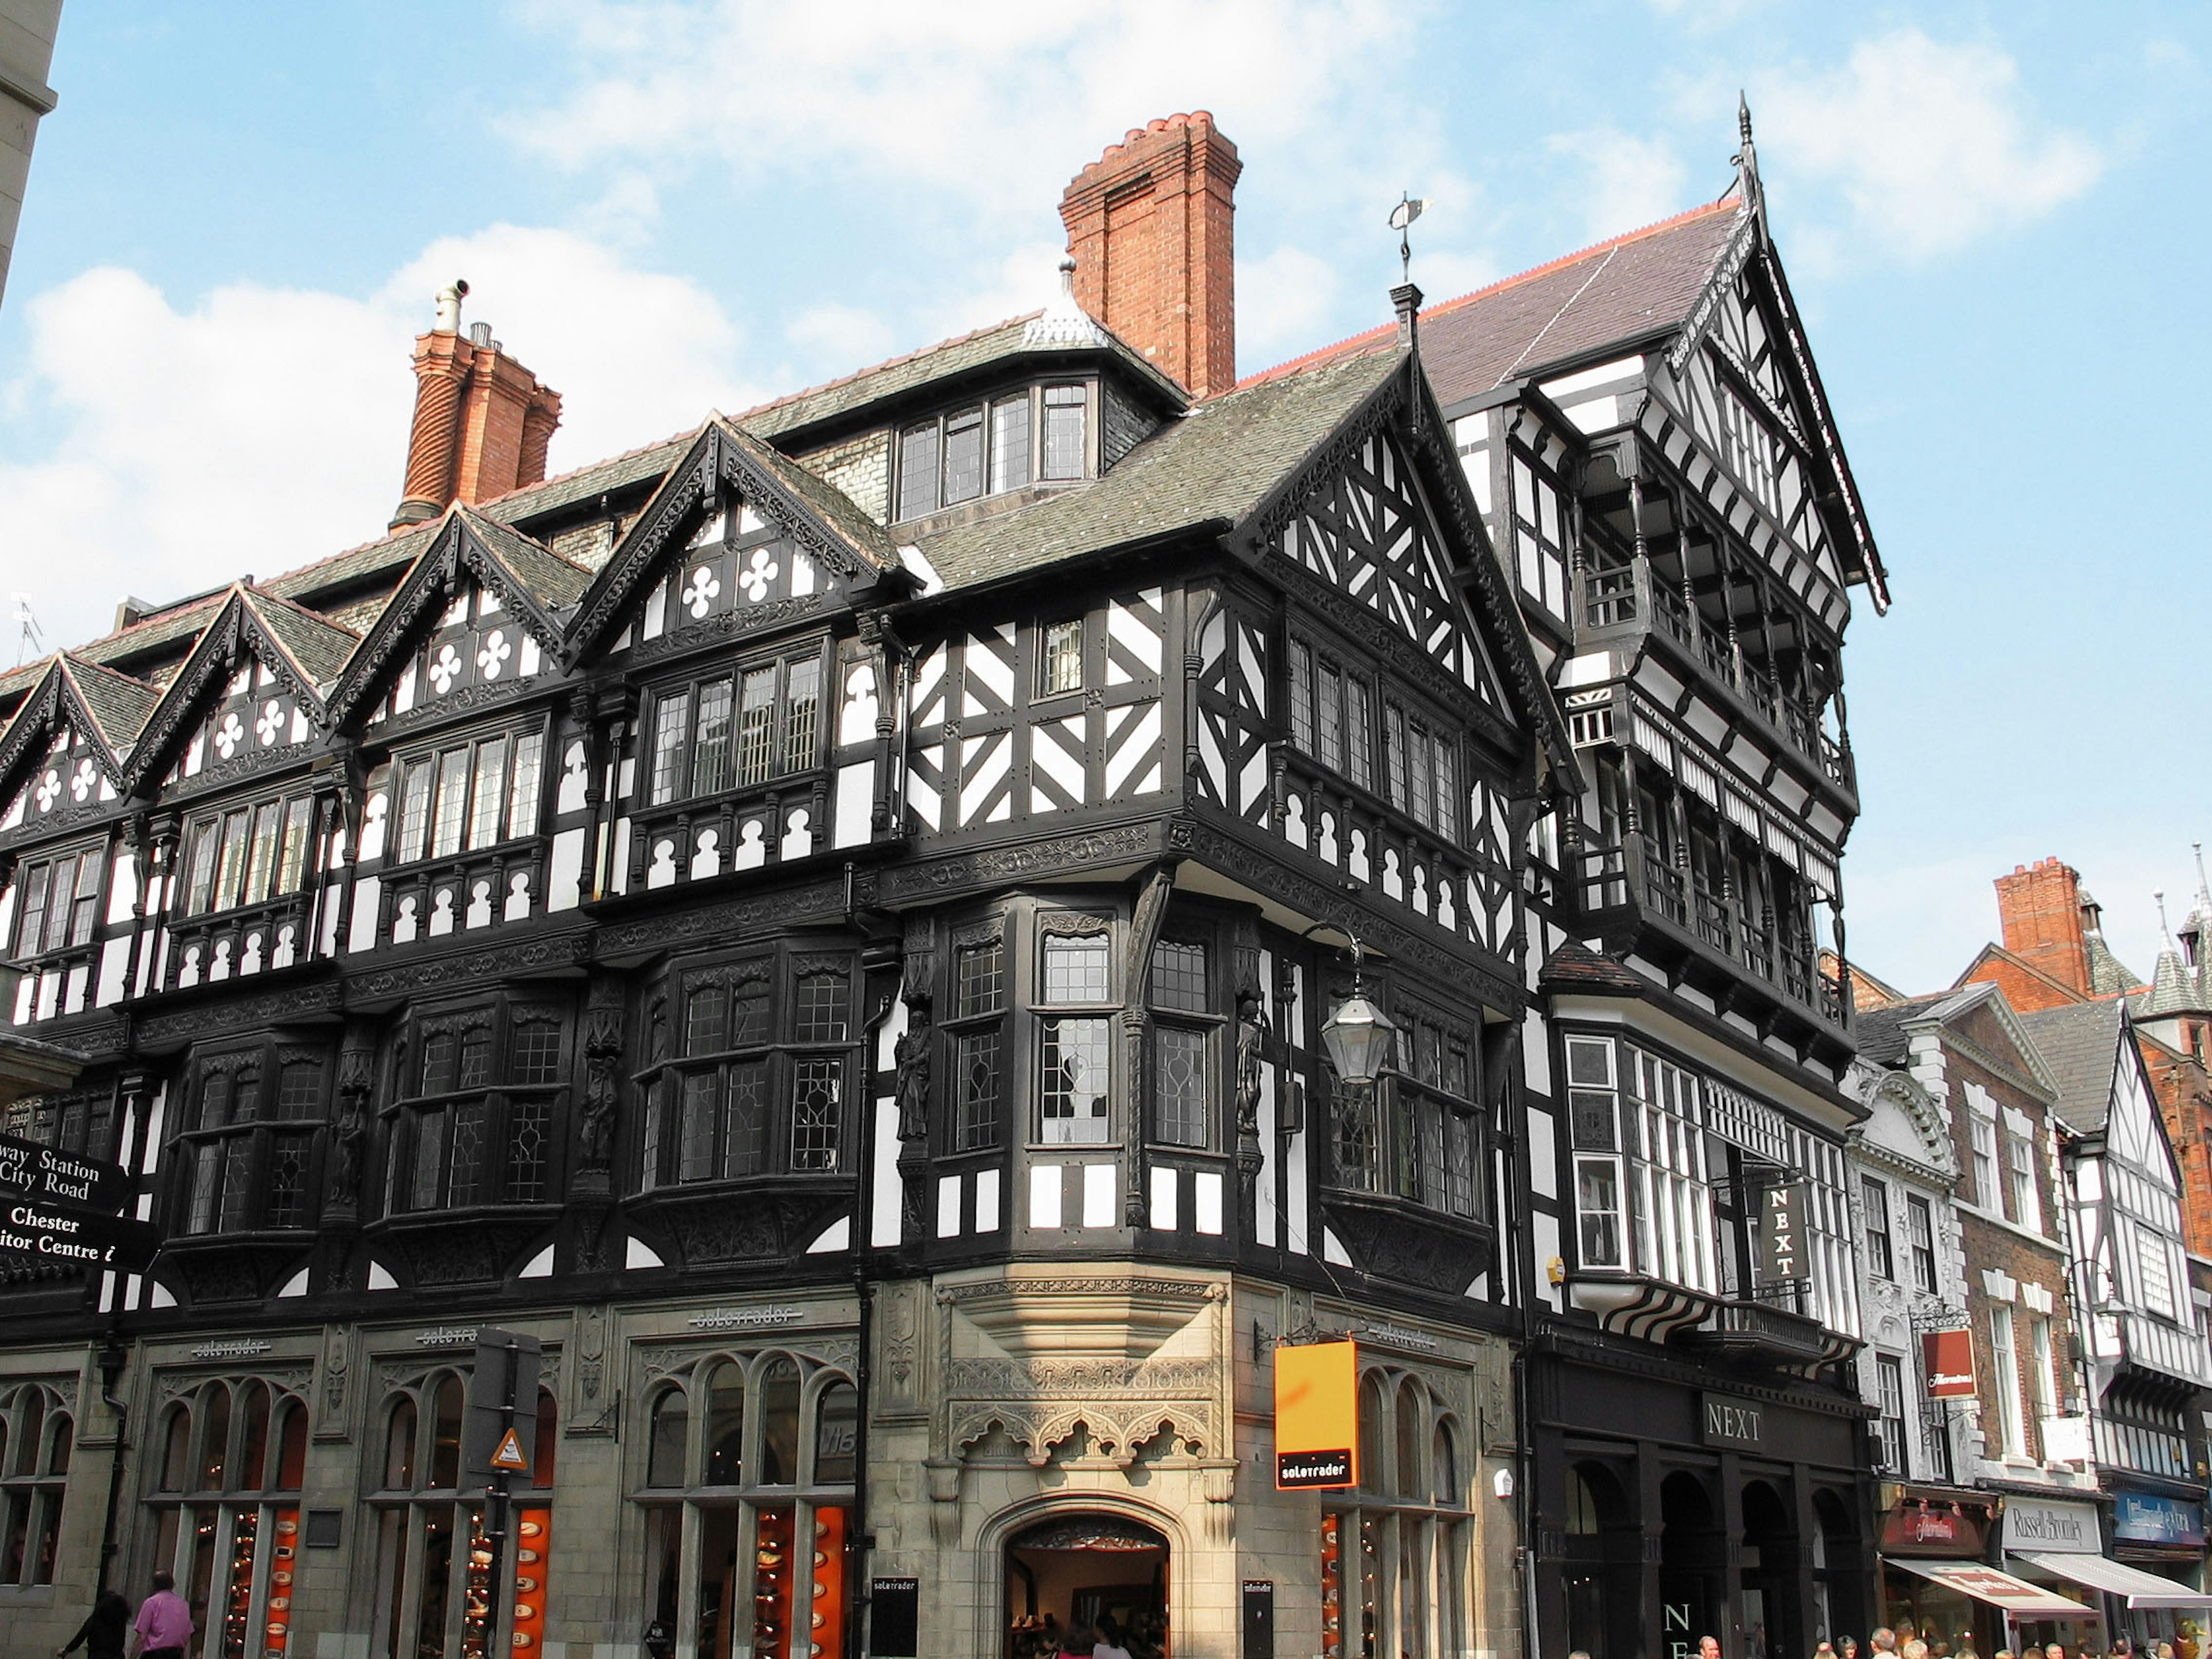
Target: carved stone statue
{"x": 911, "y": 1055}
{"x": 603, "y": 1042}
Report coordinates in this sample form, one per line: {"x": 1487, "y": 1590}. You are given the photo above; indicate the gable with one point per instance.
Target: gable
{"x": 1364, "y": 528}
{"x": 2135, "y": 1130}
{"x": 1903, "y": 1121}
{"x": 468, "y": 623}
{"x": 242, "y": 699}
{"x": 56, "y": 767}
{"x": 736, "y": 539}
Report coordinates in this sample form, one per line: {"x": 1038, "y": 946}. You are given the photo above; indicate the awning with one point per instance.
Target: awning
{"x": 2142, "y": 1589}
{"x": 2000, "y": 1589}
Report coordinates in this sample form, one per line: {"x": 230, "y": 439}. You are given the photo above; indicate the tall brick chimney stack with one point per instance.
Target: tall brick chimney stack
{"x": 482, "y": 420}
{"x": 2041, "y": 909}
{"x": 1150, "y": 224}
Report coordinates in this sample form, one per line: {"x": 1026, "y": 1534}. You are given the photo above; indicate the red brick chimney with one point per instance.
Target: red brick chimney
{"x": 2041, "y": 909}
{"x": 1150, "y": 224}
{"x": 482, "y": 420}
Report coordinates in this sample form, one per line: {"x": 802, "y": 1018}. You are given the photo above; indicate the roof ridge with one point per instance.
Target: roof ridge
{"x": 1610, "y": 245}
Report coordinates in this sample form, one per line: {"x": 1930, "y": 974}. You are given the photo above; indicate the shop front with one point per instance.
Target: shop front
{"x": 2149, "y": 1580}
{"x": 1664, "y": 1506}
{"x": 1937, "y": 1525}
{"x": 2047, "y": 1542}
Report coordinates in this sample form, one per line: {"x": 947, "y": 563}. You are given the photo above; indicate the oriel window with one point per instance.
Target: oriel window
{"x": 977, "y": 1032}
{"x": 737, "y": 729}
{"x": 470, "y": 795}
{"x": 1073, "y": 1068}
{"x": 478, "y": 1092}
{"x": 1185, "y": 1030}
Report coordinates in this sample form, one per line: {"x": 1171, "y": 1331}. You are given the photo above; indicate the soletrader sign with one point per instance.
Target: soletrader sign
{"x": 50, "y": 1233}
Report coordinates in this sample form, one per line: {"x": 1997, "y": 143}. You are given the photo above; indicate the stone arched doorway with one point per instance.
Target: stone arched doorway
{"x": 1081, "y": 1566}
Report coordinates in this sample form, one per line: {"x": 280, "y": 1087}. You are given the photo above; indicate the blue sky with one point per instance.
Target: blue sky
{"x": 1994, "y": 216}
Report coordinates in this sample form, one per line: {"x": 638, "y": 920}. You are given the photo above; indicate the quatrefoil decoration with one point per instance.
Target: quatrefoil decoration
{"x": 446, "y": 670}
{"x": 495, "y": 653}
{"x": 705, "y": 584}
{"x": 50, "y": 786}
{"x": 758, "y": 574}
{"x": 271, "y": 723}
{"x": 82, "y": 780}
{"x": 229, "y": 735}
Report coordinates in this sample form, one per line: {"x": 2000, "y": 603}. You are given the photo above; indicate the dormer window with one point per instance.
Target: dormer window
{"x": 988, "y": 447}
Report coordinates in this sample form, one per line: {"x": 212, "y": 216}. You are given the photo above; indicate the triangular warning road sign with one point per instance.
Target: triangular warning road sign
{"x": 509, "y": 1454}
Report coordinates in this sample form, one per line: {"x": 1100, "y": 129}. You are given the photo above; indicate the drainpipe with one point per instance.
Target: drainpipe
{"x": 859, "y": 1539}
{"x": 113, "y": 1357}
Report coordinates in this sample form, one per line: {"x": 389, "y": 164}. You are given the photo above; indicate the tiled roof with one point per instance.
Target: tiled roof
{"x": 600, "y": 476}
{"x": 1214, "y": 464}
{"x": 180, "y": 622}
{"x": 1574, "y": 968}
{"x": 2175, "y": 989}
{"x": 2078, "y": 1044}
{"x": 1633, "y": 286}
{"x": 386, "y": 554}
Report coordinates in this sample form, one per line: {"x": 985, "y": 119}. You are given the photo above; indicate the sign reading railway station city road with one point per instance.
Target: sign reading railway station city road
{"x": 30, "y": 1171}
{"x": 1316, "y": 1415}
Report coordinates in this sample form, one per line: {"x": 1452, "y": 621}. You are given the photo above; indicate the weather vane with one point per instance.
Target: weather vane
{"x": 1401, "y": 219}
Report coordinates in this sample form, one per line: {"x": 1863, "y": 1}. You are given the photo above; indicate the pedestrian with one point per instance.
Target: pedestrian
{"x": 1708, "y": 1647}
{"x": 105, "y": 1628}
{"x": 2054, "y": 1651}
{"x": 1884, "y": 1639}
{"x": 164, "y": 1622}
{"x": 1823, "y": 1650}
{"x": 1847, "y": 1647}
{"x": 1915, "y": 1649}
{"x": 1110, "y": 1644}
{"x": 1078, "y": 1642}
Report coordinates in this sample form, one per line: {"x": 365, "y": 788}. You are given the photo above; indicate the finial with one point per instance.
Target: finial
{"x": 1067, "y": 274}
{"x": 1743, "y": 117}
{"x": 2157, "y": 897}
{"x": 1409, "y": 209}
{"x": 2203, "y": 896}
{"x": 1746, "y": 161}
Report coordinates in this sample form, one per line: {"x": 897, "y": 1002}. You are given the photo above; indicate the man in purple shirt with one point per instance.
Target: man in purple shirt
{"x": 164, "y": 1623}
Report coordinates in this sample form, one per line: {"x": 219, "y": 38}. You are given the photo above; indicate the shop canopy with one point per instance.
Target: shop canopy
{"x": 2000, "y": 1589}
{"x": 2142, "y": 1589}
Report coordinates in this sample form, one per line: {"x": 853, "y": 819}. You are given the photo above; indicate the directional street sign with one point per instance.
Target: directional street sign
{"x": 63, "y": 1234}
{"x": 30, "y": 1171}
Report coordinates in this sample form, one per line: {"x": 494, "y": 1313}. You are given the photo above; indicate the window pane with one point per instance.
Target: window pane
{"x": 780, "y": 1423}
{"x": 749, "y": 1014}
{"x": 669, "y": 717}
{"x": 453, "y": 802}
{"x": 439, "y": 1053}
{"x": 1179, "y": 977}
{"x": 803, "y": 714}
{"x": 1071, "y": 1081}
{"x": 1063, "y": 432}
{"x": 529, "y": 1133}
{"x": 230, "y": 878}
{"x": 288, "y": 1181}
{"x": 975, "y": 1083}
{"x": 522, "y": 789}
{"x": 817, "y": 1107}
{"x": 415, "y": 815}
{"x": 1302, "y": 681}
{"x": 1329, "y": 716}
{"x": 1059, "y": 664}
{"x": 757, "y": 726}
{"x": 1010, "y": 443}
{"x": 533, "y": 1054}
{"x": 836, "y": 1434}
{"x": 466, "y": 1184}
{"x": 701, "y": 1116}
{"x": 1420, "y": 800}
{"x": 429, "y": 1146}
{"x": 982, "y": 979}
{"x": 261, "y": 863}
{"x": 822, "y": 1008}
{"x": 918, "y": 469}
{"x": 237, "y": 1183}
{"x": 201, "y": 893}
{"x": 1447, "y": 776}
{"x": 705, "y": 1020}
{"x": 1075, "y": 968}
{"x": 711, "y": 755}
{"x": 296, "y": 830}
{"x": 1358, "y": 731}
{"x": 746, "y": 1131}
{"x": 963, "y": 456}
{"x": 672, "y": 1425}
{"x": 1394, "y": 753}
{"x": 491, "y": 793}
{"x": 476, "y": 1058}
{"x": 1179, "y": 1086}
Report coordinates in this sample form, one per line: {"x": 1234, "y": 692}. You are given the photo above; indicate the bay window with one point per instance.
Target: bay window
{"x": 977, "y": 1032}
{"x": 1416, "y": 1132}
{"x": 736, "y": 728}
{"x": 244, "y": 1145}
{"x": 248, "y": 852}
{"x": 1073, "y": 1068}
{"x": 478, "y": 1090}
{"x": 992, "y": 446}
{"x": 767, "y": 1044}
{"x": 1185, "y": 1030}
{"x": 1643, "y": 1194}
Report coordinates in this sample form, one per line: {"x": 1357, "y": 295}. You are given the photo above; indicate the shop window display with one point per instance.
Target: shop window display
{"x": 1393, "y": 1558}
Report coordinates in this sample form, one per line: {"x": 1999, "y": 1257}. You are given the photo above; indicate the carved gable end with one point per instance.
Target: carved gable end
{"x": 61, "y": 757}
{"x": 476, "y": 615}
{"x": 251, "y": 691}
{"x": 739, "y": 539}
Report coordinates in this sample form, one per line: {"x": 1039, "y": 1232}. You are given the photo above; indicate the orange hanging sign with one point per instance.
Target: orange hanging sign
{"x": 1316, "y": 1415}
{"x": 509, "y": 1456}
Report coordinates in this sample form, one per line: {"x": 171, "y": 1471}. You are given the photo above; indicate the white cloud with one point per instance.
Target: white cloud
{"x": 1930, "y": 146}
{"x": 169, "y": 450}
{"x": 1283, "y": 301}
{"x": 995, "y": 102}
{"x": 844, "y": 338}
{"x": 1629, "y": 182}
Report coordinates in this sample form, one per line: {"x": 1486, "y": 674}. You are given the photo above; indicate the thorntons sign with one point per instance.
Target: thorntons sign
{"x": 2041, "y": 1525}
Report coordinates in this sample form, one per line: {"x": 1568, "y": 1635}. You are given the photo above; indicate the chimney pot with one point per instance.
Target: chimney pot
{"x": 482, "y": 420}
{"x": 480, "y": 334}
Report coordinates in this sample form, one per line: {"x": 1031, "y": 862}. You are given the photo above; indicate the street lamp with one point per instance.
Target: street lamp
{"x": 1358, "y": 1033}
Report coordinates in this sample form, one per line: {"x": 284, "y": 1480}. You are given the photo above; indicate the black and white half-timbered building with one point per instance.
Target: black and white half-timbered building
{"x": 828, "y": 922}
{"x": 1644, "y": 431}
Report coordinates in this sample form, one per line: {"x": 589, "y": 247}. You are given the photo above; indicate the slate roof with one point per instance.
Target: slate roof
{"x": 547, "y": 577}
{"x": 2175, "y": 989}
{"x": 1634, "y": 285}
{"x": 391, "y": 554}
{"x": 1214, "y": 464}
{"x": 2078, "y": 1042}
{"x": 320, "y": 645}
{"x": 180, "y": 622}
{"x": 1881, "y": 1032}
{"x": 121, "y": 704}
{"x": 869, "y": 541}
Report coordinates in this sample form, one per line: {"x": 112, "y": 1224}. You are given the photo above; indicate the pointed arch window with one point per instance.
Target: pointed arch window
{"x": 1393, "y": 1555}
{"x": 37, "y": 1440}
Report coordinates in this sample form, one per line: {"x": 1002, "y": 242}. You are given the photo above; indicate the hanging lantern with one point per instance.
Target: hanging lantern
{"x": 1357, "y": 1035}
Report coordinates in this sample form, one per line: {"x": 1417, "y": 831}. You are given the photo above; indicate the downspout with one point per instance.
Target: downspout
{"x": 859, "y": 1539}
{"x": 113, "y": 1357}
